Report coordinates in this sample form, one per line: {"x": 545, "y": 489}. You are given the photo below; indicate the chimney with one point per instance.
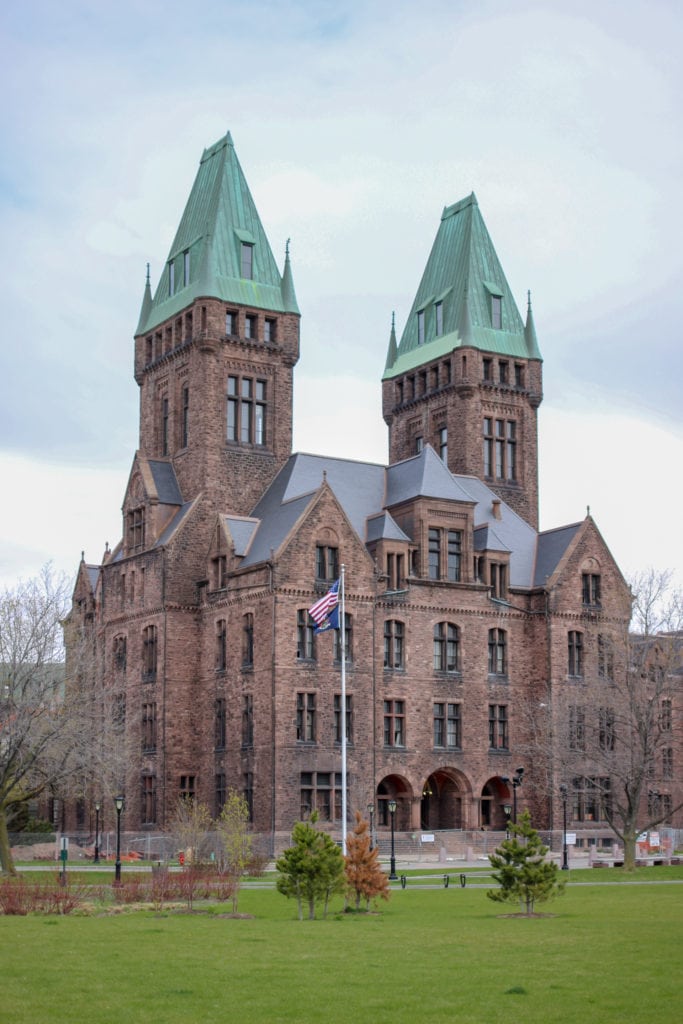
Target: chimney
{"x": 495, "y": 508}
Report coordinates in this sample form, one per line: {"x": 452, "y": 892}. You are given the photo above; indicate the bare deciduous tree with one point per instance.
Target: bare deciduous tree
{"x": 39, "y": 723}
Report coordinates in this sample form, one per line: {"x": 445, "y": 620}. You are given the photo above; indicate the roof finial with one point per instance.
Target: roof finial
{"x": 82, "y": 556}
{"x": 147, "y": 278}
{"x": 528, "y": 299}
{"x": 287, "y": 248}
{"x": 393, "y": 319}
{"x": 588, "y": 510}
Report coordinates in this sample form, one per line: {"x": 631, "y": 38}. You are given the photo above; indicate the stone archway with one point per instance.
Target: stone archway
{"x": 495, "y": 796}
{"x": 441, "y": 806}
{"x": 394, "y": 787}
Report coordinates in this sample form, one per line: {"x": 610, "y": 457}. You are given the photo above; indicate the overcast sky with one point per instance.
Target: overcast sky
{"x": 355, "y": 124}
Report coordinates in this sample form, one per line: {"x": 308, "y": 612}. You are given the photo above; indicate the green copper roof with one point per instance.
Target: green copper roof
{"x": 464, "y": 277}
{"x": 219, "y": 219}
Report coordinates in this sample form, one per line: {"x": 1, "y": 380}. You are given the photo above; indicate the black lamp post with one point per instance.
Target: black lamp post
{"x": 516, "y": 783}
{"x": 118, "y": 804}
{"x": 96, "y": 858}
{"x": 392, "y": 873}
{"x": 563, "y": 796}
{"x": 507, "y": 811}
{"x": 371, "y": 816}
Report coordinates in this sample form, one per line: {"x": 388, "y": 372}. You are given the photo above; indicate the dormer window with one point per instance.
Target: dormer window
{"x": 186, "y": 268}
{"x": 171, "y": 278}
{"x": 421, "y": 327}
{"x": 438, "y": 318}
{"x": 247, "y": 261}
{"x": 496, "y": 312}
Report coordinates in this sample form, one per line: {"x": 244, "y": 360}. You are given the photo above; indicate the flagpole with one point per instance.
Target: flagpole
{"x": 343, "y": 708}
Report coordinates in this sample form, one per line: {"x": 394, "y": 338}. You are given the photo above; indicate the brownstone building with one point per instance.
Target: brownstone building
{"x": 461, "y": 618}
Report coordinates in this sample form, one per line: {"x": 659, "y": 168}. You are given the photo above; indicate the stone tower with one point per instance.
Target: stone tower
{"x": 216, "y": 345}
{"x": 467, "y": 374}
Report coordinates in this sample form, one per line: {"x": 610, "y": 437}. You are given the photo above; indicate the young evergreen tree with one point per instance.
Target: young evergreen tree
{"x": 521, "y": 870}
{"x": 311, "y": 869}
{"x": 364, "y": 876}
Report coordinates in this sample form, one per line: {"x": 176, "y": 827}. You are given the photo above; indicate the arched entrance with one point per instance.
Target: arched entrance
{"x": 495, "y": 798}
{"x": 441, "y": 804}
{"x": 394, "y": 787}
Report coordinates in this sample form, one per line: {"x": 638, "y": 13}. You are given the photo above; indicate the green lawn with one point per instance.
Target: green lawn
{"x": 610, "y": 953}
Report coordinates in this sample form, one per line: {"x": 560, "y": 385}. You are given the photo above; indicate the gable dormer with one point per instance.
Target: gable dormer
{"x": 152, "y": 499}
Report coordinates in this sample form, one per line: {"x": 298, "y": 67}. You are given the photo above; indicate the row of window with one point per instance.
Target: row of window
{"x": 499, "y": 372}
{"x": 447, "y": 647}
{"x": 255, "y": 328}
{"x": 187, "y": 789}
{"x": 430, "y": 319}
{"x": 500, "y": 449}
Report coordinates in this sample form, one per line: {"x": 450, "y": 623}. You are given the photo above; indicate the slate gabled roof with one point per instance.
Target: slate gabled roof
{"x": 166, "y": 483}
{"x": 219, "y": 216}
{"x": 552, "y": 545}
{"x": 462, "y": 273}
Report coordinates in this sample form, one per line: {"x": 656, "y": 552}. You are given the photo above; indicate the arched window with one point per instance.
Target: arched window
{"x": 446, "y": 647}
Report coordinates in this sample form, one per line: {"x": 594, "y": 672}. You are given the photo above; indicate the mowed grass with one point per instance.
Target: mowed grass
{"x": 609, "y": 953}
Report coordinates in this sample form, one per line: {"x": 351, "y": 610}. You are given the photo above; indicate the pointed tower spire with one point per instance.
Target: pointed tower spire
{"x": 392, "y": 353}
{"x": 146, "y": 304}
{"x": 289, "y": 302}
{"x": 530, "y": 332}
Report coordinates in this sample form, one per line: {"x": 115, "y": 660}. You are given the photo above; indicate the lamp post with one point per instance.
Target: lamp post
{"x": 96, "y": 858}
{"x": 392, "y": 873}
{"x": 563, "y": 797}
{"x": 516, "y": 783}
{"x": 118, "y": 804}
{"x": 507, "y": 811}
{"x": 371, "y": 816}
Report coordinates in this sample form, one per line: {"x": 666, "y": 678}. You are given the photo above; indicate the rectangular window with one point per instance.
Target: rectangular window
{"x": 519, "y": 375}
{"x": 268, "y": 331}
{"x": 149, "y": 652}
{"x": 421, "y": 327}
{"x": 148, "y": 810}
{"x": 326, "y": 563}
{"x": 577, "y": 728}
{"x": 590, "y": 589}
{"x": 247, "y": 720}
{"x": 488, "y": 446}
{"x": 511, "y": 451}
{"x": 497, "y": 652}
{"x": 247, "y": 640}
{"x": 219, "y": 793}
{"x": 221, "y": 646}
{"x": 186, "y": 268}
{"x": 246, "y": 418}
{"x": 665, "y": 715}
{"x": 247, "y": 261}
{"x": 434, "y": 538}
{"x": 230, "y": 322}
{"x": 321, "y": 792}
{"x": 338, "y": 718}
{"x": 606, "y": 729}
{"x": 447, "y": 726}
{"x": 498, "y": 579}
{"x": 503, "y": 371}
{"x": 250, "y": 326}
{"x": 438, "y": 318}
{"x": 171, "y": 278}
{"x": 305, "y": 636}
{"x": 667, "y": 763}
{"x": 188, "y": 787}
{"x": 446, "y": 647}
{"x": 454, "y": 547}
{"x": 394, "y": 723}
{"x": 496, "y": 312}
{"x": 305, "y": 717}
{"x": 605, "y": 658}
{"x": 136, "y": 529}
{"x": 443, "y": 444}
{"x": 591, "y": 799}
{"x": 575, "y": 653}
{"x": 487, "y": 368}
{"x": 120, "y": 653}
{"x": 498, "y": 726}
{"x": 164, "y": 425}
{"x": 185, "y": 422}
{"x": 393, "y": 644}
{"x": 219, "y": 724}
{"x": 149, "y": 727}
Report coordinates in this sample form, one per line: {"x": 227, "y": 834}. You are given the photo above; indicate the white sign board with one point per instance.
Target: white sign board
{"x": 571, "y": 838}
{"x": 427, "y": 838}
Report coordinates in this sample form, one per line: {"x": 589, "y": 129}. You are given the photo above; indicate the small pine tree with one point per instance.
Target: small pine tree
{"x": 311, "y": 869}
{"x": 522, "y": 871}
{"x": 364, "y": 876}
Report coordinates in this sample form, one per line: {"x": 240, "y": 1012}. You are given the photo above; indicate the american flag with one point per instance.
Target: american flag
{"x": 323, "y": 608}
